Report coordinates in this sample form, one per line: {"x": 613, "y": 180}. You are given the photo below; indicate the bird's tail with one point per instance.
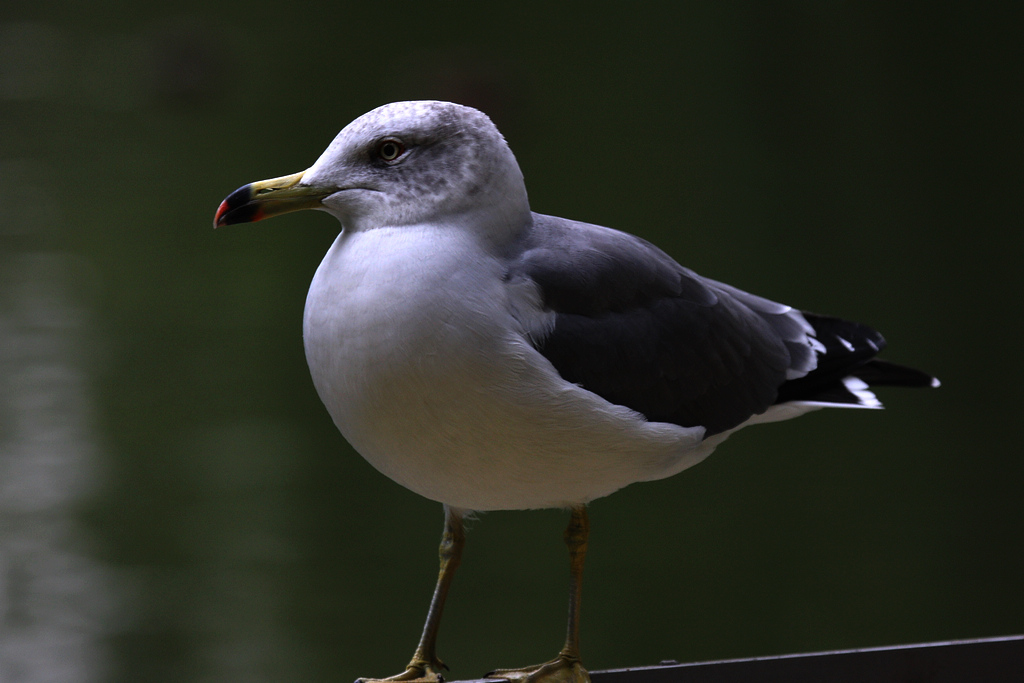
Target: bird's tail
{"x": 847, "y": 367}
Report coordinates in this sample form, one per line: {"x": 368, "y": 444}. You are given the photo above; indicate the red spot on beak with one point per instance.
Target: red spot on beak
{"x": 221, "y": 210}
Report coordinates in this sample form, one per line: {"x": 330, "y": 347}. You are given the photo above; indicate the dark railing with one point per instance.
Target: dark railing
{"x": 984, "y": 660}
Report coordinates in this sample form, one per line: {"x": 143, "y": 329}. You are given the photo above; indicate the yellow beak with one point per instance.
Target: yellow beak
{"x": 267, "y": 198}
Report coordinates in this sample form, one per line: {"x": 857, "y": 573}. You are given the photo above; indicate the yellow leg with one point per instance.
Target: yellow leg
{"x": 566, "y": 667}
{"x": 425, "y": 667}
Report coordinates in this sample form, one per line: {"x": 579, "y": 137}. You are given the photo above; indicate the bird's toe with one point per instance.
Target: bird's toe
{"x": 559, "y": 670}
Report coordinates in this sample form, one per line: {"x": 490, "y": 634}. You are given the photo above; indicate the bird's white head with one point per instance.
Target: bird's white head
{"x": 404, "y": 163}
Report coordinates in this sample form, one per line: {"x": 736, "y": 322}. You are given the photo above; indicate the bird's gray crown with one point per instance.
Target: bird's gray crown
{"x": 415, "y": 162}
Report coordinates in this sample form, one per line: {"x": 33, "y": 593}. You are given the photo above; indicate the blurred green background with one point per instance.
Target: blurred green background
{"x": 175, "y": 503}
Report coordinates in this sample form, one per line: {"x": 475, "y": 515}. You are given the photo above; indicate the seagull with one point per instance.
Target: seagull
{"x": 492, "y": 358}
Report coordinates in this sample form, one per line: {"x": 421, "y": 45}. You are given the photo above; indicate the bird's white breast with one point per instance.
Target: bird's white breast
{"x": 416, "y": 346}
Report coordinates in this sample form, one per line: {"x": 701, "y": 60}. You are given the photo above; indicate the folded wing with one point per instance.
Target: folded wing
{"x": 639, "y": 330}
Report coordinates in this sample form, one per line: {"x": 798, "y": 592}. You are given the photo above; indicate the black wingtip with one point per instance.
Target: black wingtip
{"x": 882, "y": 373}
{"x": 849, "y": 350}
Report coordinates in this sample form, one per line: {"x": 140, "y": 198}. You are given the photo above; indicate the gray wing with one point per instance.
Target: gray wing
{"x": 639, "y": 330}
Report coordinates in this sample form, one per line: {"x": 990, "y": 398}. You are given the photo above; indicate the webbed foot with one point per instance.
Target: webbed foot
{"x": 416, "y": 672}
{"x": 562, "y": 669}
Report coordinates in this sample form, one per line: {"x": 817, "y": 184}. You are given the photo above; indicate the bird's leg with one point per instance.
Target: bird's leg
{"x": 425, "y": 667}
{"x": 566, "y": 667}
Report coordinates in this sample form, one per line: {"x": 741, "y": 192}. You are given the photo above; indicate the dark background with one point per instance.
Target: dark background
{"x": 175, "y": 504}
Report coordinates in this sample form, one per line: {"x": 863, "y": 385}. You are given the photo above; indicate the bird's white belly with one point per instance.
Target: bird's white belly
{"x": 415, "y": 351}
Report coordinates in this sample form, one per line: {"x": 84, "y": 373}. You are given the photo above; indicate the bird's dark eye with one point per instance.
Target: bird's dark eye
{"x": 389, "y": 150}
